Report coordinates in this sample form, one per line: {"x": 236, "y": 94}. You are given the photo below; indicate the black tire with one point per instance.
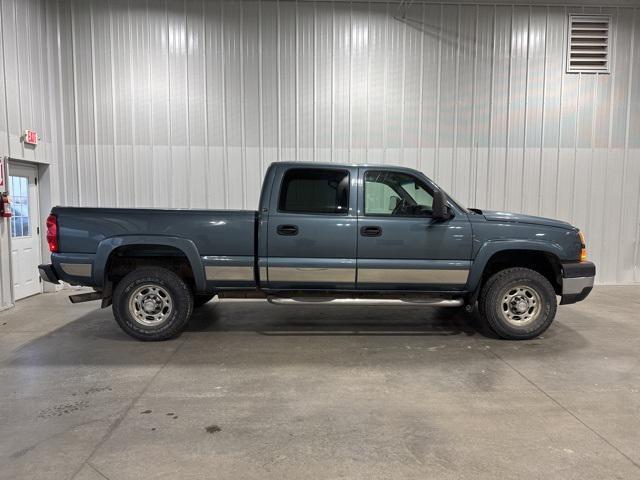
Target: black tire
{"x": 532, "y": 297}
{"x": 200, "y": 300}
{"x": 173, "y": 303}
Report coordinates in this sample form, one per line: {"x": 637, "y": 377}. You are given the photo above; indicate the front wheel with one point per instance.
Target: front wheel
{"x": 152, "y": 303}
{"x": 518, "y": 303}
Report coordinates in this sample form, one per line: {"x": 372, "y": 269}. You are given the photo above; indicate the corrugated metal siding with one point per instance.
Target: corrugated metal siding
{"x": 185, "y": 103}
{"x": 23, "y": 99}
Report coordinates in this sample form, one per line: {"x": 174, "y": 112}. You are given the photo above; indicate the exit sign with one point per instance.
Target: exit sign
{"x": 30, "y": 137}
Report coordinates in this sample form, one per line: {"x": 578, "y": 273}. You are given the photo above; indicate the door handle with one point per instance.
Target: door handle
{"x": 371, "y": 231}
{"x": 288, "y": 230}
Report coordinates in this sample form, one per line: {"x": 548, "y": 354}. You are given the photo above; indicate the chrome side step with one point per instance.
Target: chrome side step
{"x": 432, "y": 302}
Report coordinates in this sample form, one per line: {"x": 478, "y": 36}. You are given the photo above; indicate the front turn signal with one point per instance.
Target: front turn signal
{"x": 583, "y": 249}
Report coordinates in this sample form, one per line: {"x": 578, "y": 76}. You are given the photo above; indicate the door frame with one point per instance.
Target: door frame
{"x": 11, "y": 163}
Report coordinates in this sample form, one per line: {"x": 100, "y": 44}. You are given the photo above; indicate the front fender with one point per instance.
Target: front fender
{"x": 491, "y": 247}
{"x": 108, "y": 245}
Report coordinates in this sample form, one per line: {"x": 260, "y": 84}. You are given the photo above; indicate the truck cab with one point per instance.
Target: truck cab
{"x": 337, "y": 234}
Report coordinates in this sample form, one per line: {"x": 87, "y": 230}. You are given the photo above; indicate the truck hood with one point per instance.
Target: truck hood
{"x": 495, "y": 216}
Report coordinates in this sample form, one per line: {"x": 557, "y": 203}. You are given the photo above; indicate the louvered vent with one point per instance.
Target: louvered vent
{"x": 589, "y": 44}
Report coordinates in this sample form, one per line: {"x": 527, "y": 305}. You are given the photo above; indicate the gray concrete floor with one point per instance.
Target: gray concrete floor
{"x": 253, "y": 390}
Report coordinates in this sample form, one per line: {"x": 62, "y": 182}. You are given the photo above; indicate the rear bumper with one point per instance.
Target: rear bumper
{"x": 48, "y": 274}
{"x": 577, "y": 281}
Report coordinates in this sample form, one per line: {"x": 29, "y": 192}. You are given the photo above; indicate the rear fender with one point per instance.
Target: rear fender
{"x": 108, "y": 245}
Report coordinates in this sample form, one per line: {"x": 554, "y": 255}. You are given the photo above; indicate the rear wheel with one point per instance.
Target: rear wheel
{"x": 518, "y": 303}
{"x": 152, "y": 304}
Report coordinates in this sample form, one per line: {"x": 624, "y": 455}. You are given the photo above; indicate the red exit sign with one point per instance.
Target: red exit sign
{"x": 30, "y": 137}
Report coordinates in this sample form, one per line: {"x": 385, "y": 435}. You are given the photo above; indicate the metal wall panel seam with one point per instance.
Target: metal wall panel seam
{"x": 508, "y": 129}
{"x": 593, "y": 148}
{"x": 636, "y": 252}
{"x": 420, "y": 96}
{"x": 455, "y": 103}
{"x": 4, "y": 73}
{"x": 575, "y": 144}
{"x": 626, "y": 141}
{"x": 75, "y": 103}
{"x": 225, "y": 154}
{"x": 564, "y": 48}
{"x": 19, "y": 83}
{"x": 113, "y": 109}
{"x": 350, "y": 80}
{"x": 333, "y": 80}
{"x": 30, "y": 74}
{"x": 315, "y": 69}
{"x": 611, "y": 103}
{"x": 384, "y": 86}
{"x": 296, "y": 105}
{"x": 402, "y": 94}
{"x": 526, "y": 101}
{"x": 243, "y": 139}
{"x": 436, "y": 165}
{"x": 95, "y": 107}
{"x": 491, "y": 95}
{"x": 151, "y": 172}
{"x": 544, "y": 104}
{"x": 260, "y": 95}
{"x": 278, "y": 86}
{"x": 473, "y": 188}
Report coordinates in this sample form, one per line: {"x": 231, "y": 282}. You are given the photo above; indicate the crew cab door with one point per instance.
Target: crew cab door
{"x": 311, "y": 230}
{"x": 400, "y": 245}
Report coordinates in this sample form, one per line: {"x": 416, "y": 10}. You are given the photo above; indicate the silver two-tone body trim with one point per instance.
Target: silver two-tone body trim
{"x": 312, "y": 274}
{"x": 76, "y": 269}
{"x": 228, "y": 273}
{"x": 413, "y": 276}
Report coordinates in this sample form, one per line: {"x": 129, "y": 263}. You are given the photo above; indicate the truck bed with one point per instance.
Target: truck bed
{"x": 214, "y": 232}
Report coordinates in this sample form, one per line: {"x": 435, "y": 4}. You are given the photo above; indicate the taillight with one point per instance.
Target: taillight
{"x": 52, "y": 233}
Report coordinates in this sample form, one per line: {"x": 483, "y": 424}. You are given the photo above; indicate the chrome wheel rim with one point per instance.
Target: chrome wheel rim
{"x": 150, "y": 305}
{"x": 520, "y": 305}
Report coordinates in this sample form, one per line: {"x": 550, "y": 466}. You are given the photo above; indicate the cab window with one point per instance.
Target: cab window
{"x": 396, "y": 194}
{"x": 314, "y": 190}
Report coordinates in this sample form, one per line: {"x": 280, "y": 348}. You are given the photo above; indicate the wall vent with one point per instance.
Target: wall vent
{"x": 589, "y": 45}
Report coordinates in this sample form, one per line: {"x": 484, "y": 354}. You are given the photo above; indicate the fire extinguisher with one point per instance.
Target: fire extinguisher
{"x": 5, "y": 205}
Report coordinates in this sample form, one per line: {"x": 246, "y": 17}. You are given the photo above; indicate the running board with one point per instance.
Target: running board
{"x": 434, "y": 302}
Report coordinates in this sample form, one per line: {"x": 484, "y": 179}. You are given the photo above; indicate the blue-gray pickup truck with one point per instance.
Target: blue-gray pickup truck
{"x": 324, "y": 233}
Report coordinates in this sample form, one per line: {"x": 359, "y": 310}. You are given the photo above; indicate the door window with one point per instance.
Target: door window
{"x": 20, "y": 206}
{"x": 396, "y": 194}
{"x": 314, "y": 190}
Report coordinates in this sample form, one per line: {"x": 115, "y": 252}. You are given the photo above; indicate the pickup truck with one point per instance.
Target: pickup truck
{"x": 324, "y": 234}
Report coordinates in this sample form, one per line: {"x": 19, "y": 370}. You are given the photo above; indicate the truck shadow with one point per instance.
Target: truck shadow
{"x": 282, "y": 335}
{"x": 310, "y": 320}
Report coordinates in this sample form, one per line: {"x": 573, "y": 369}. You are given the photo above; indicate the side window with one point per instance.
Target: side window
{"x": 395, "y": 193}
{"x": 314, "y": 190}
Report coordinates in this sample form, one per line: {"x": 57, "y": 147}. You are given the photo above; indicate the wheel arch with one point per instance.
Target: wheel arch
{"x": 495, "y": 256}
{"x": 152, "y": 248}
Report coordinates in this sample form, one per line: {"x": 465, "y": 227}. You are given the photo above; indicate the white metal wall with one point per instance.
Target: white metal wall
{"x": 185, "y": 103}
{"x": 24, "y": 99}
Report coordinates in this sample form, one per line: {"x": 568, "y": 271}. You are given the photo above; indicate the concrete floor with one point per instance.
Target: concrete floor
{"x": 253, "y": 390}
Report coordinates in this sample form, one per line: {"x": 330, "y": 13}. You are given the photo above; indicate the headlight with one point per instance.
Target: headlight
{"x": 583, "y": 250}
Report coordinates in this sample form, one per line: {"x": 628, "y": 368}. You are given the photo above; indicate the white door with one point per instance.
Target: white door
{"x": 25, "y": 231}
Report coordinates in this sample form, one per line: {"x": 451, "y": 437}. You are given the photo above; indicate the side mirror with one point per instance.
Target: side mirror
{"x": 440, "y": 207}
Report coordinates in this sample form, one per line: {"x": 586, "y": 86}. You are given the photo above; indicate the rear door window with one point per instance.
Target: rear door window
{"x": 314, "y": 190}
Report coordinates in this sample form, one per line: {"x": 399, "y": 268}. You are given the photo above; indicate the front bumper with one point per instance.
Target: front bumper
{"x": 48, "y": 274}
{"x": 577, "y": 281}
